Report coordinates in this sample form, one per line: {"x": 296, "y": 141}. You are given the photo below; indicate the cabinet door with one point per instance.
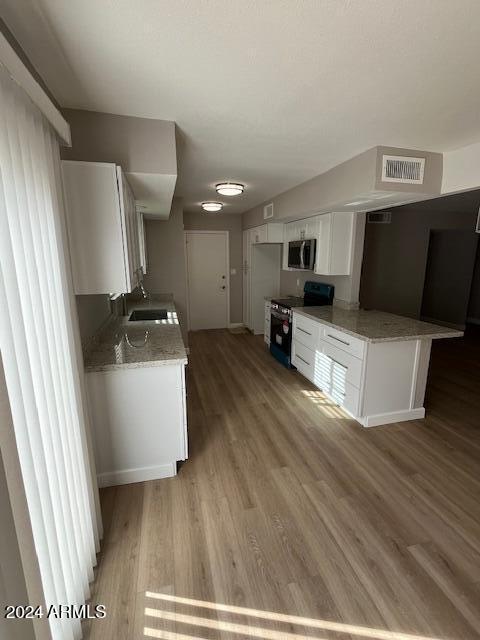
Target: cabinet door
{"x": 142, "y": 243}
{"x": 335, "y": 244}
{"x": 95, "y": 227}
{"x": 274, "y": 232}
{"x": 311, "y": 228}
{"x": 259, "y": 234}
{"x": 293, "y": 231}
{"x": 136, "y": 244}
{"x": 322, "y": 261}
{"x": 342, "y": 243}
{"x": 129, "y": 229}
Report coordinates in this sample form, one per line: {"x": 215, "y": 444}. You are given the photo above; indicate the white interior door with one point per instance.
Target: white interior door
{"x": 208, "y": 281}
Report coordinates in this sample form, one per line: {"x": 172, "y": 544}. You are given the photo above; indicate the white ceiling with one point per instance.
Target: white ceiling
{"x": 266, "y": 92}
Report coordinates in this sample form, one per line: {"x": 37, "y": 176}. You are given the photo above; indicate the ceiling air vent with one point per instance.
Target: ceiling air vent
{"x": 268, "y": 211}
{"x": 403, "y": 169}
{"x": 379, "y": 217}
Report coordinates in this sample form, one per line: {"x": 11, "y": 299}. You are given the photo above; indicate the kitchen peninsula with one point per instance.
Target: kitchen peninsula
{"x": 373, "y": 364}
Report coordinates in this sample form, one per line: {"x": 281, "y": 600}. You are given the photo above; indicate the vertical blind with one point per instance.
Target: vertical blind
{"x": 40, "y": 349}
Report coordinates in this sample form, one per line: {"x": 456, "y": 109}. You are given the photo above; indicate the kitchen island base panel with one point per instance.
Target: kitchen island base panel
{"x": 129, "y": 476}
{"x": 391, "y": 418}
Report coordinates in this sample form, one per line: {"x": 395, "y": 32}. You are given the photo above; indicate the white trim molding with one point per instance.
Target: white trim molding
{"x": 390, "y": 418}
{"x": 127, "y": 476}
{"x": 22, "y": 76}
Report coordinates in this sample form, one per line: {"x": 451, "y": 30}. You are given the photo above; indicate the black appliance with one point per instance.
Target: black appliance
{"x": 301, "y": 254}
{"x": 316, "y": 294}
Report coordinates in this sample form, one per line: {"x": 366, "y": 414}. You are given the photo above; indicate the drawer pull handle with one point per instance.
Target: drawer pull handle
{"x": 344, "y": 366}
{"x": 300, "y": 358}
{"x": 307, "y": 332}
{"x": 339, "y": 339}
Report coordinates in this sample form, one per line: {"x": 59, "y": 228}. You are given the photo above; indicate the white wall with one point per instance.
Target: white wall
{"x": 93, "y": 311}
{"x": 166, "y": 271}
{"x": 395, "y": 257}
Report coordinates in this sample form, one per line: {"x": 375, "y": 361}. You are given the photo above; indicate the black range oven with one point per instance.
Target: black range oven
{"x": 281, "y": 331}
{"x": 316, "y": 294}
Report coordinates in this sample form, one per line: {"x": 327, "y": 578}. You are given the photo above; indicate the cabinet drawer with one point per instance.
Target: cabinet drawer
{"x": 344, "y": 341}
{"x": 304, "y": 359}
{"x": 348, "y": 398}
{"x": 306, "y": 331}
{"x": 350, "y": 367}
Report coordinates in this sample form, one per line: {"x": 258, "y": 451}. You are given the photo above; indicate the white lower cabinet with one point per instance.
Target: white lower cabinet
{"x": 266, "y": 331}
{"x": 139, "y": 422}
{"x": 304, "y": 359}
{"x": 375, "y": 382}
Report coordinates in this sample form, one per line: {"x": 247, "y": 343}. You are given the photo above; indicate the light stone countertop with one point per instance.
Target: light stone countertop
{"x": 376, "y": 326}
{"x": 124, "y": 344}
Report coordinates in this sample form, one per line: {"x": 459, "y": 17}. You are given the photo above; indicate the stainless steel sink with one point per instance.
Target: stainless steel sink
{"x": 148, "y": 314}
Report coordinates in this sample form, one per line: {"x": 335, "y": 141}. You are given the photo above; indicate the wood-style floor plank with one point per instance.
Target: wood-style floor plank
{"x": 290, "y": 521}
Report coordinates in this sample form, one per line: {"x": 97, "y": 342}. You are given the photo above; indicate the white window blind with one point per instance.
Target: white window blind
{"x": 40, "y": 349}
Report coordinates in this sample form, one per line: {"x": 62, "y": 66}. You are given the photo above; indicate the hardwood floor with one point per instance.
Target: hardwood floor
{"x": 298, "y": 520}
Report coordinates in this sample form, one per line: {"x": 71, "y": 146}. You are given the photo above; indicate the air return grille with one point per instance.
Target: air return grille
{"x": 403, "y": 169}
{"x": 379, "y": 217}
{"x": 268, "y": 211}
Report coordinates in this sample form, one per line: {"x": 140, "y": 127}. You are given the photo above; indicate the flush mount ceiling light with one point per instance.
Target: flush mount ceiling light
{"x": 230, "y": 188}
{"x": 212, "y": 206}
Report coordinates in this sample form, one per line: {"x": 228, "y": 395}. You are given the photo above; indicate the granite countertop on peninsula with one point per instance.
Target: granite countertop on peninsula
{"x": 376, "y": 326}
{"x": 124, "y": 344}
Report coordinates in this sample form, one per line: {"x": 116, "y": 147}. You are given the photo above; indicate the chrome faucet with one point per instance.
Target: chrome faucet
{"x": 145, "y": 293}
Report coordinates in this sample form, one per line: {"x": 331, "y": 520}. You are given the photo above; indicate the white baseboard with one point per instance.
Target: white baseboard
{"x": 128, "y": 476}
{"x": 235, "y": 325}
{"x": 389, "y": 418}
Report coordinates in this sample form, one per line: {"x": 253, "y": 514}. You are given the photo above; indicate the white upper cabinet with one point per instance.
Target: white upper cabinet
{"x": 103, "y": 228}
{"x": 335, "y": 244}
{"x": 142, "y": 242}
{"x": 334, "y": 235}
{"x": 271, "y": 232}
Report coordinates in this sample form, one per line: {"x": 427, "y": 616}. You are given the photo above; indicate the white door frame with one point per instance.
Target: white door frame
{"x": 226, "y": 235}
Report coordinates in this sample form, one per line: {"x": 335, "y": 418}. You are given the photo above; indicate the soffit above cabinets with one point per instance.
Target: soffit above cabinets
{"x": 145, "y": 149}
{"x": 359, "y": 184}
{"x": 153, "y": 193}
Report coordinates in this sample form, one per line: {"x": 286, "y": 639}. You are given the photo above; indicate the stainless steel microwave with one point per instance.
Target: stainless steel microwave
{"x": 301, "y": 254}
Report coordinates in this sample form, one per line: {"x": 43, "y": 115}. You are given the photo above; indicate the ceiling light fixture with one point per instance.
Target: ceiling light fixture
{"x": 212, "y": 206}
{"x": 230, "y": 188}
